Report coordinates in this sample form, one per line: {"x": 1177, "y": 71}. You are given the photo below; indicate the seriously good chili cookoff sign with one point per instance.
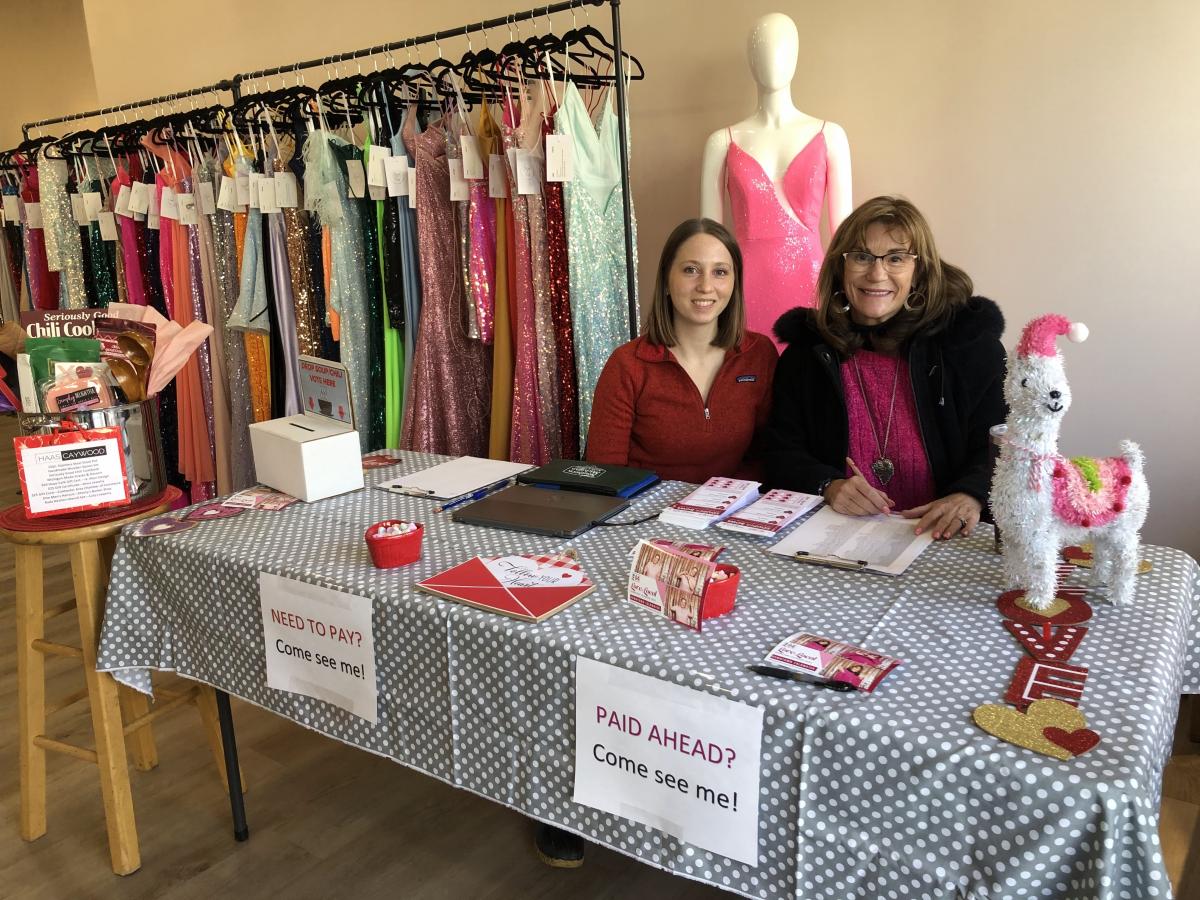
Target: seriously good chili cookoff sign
{"x": 670, "y": 757}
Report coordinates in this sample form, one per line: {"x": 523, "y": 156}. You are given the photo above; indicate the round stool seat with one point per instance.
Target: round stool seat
{"x": 18, "y": 528}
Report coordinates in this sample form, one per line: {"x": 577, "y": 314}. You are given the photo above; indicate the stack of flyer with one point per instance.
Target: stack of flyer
{"x": 771, "y": 513}
{"x": 713, "y": 501}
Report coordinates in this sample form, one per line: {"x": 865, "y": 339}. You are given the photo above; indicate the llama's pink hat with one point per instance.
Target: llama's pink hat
{"x": 1039, "y": 335}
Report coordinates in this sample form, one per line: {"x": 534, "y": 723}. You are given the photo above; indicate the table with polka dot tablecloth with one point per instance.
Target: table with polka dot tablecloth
{"x": 896, "y": 794}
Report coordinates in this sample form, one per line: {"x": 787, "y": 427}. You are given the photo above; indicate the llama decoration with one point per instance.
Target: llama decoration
{"x": 1042, "y": 501}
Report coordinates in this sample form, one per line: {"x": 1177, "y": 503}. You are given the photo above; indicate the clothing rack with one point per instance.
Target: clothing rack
{"x": 228, "y": 85}
{"x": 234, "y": 86}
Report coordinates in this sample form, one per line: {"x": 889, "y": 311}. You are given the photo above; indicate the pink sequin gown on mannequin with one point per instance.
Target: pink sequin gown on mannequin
{"x": 781, "y": 247}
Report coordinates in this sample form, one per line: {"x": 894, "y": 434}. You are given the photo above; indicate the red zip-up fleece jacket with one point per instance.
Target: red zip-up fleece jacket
{"x": 648, "y": 413}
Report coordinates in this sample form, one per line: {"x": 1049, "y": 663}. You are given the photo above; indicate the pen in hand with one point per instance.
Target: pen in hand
{"x": 886, "y": 499}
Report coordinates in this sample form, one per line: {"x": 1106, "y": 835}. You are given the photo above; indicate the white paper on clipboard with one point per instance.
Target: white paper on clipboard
{"x": 883, "y": 544}
{"x": 455, "y": 478}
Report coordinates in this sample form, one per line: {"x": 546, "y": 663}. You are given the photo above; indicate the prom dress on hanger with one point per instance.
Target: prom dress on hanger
{"x": 326, "y": 193}
{"x": 526, "y": 438}
{"x": 63, "y": 251}
{"x": 781, "y": 248}
{"x": 595, "y": 244}
{"x": 447, "y": 409}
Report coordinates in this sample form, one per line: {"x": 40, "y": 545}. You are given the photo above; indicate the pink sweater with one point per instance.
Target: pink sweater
{"x": 912, "y": 484}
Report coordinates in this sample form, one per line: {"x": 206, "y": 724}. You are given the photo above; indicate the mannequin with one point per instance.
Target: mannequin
{"x": 804, "y": 161}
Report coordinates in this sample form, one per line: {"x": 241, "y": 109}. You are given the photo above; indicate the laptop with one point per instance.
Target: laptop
{"x": 564, "y": 514}
{"x": 573, "y": 475}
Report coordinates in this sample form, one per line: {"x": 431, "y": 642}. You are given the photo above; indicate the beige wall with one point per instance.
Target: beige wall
{"x": 1054, "y": 146}
{"x": 45, "y": 63}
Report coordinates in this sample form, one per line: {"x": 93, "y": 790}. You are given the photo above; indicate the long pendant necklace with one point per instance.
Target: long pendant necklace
{"x": 883, "y": 467}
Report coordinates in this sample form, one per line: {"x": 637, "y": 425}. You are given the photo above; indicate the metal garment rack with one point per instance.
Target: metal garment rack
{"x": 234, "y": 86}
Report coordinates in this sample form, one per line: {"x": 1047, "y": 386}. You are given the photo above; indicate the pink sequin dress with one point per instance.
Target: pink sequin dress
{"x": 781, "y": 247}
{"x": 527, "y": 441}
{"x": 450, "y": 396}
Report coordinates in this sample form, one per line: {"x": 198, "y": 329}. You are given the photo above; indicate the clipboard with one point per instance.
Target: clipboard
{"x": 883, "y": 544}
{"x": 454, "y": 479}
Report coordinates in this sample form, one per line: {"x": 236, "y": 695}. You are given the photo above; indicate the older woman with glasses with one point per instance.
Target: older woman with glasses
{"x": 887, "y": 389}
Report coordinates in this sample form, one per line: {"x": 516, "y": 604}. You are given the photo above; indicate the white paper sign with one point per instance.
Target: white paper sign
{"x": 529, "y": 172}
{"x": 497, "y": 177}
{"x": 559, "y": 158}
{"x": 395, "y": 169}
{"x": 227, "y": 199}
{"x": 169, "y": 205}
{"x": 472, "y": 162}
{"x": 186, "y": 205}
{"x": 287, "y": 191}
{"x": 108, "y": 225}
{"x": 70, "y": 476}
{"x": 242, "y": 183}
{"x": 376, "y": 166}
{"x": 12, "y": 208}
{"x": 122, "y": 207}
{"x": 412, "y": 186}
{"x": 253, "y": 186}
{"x": 139, "y": 197}
{"x": 266, "y": 195}
{"x": 92, "y": 204}
{"x": 207, "y": 197}
{"x": 458, "y": 184}
{"x": 357, "y": 178}
{"x": 33, "y": 215}
{"x": 670, "y": 757}
{"x": 318, "y": 642}
{"x": 77, "y": 211}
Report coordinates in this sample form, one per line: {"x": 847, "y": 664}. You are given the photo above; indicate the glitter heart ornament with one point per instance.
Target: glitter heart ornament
{"x": 161, "y": 525}
{"x": 214, "y": 511}
{"x": 1027, "y": 729}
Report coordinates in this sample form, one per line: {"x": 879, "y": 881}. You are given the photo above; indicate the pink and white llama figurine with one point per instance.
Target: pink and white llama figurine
{"x": 1042, "y": 501}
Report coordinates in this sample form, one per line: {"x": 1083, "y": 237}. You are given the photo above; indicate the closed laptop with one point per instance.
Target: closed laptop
{"x": 538, "y": 511}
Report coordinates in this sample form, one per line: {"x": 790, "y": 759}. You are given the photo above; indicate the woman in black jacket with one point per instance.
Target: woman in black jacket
{"x": 885, "y": 394}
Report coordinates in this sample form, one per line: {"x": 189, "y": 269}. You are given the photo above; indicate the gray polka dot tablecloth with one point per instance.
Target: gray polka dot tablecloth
{"x": 891, "y": 795}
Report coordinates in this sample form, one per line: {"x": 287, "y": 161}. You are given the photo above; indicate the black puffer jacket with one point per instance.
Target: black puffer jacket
{"x": 957, "y": 381}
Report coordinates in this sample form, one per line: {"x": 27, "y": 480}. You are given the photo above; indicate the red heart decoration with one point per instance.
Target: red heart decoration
{"x": 1076, "y": 610}
{"x": 1076, "y": 742}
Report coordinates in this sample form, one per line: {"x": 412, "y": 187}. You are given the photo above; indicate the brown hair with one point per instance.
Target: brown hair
{"x": 660, "y": 319}
{"x": 945, "y": 287}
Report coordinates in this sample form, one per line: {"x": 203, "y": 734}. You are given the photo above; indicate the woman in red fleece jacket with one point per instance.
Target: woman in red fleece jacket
{"x": 688, "y": 397}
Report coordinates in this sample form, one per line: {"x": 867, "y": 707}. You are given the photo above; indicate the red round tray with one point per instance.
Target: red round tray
{"x": 14, "y": 519}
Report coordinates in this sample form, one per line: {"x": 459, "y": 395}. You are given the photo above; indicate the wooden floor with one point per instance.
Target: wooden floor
{"x": 326, "y": 820}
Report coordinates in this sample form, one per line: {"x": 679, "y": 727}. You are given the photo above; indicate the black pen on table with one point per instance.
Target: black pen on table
{"x": 802, "y": 677}
{"x": 475, "y": 495}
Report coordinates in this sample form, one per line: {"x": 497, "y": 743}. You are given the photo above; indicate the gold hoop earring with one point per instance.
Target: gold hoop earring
{"x": 845, "y": 307}
{"x": 910, "y": 306}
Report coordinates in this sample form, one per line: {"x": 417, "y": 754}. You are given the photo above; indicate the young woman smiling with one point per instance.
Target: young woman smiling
{"x": 887, "y": 389}
{"x": 688, "y": 397}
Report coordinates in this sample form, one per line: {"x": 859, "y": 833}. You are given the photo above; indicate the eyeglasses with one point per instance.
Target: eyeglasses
{"x": 861, "y": 261}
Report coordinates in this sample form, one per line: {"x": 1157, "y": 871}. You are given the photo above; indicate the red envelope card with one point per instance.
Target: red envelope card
{"x": 528, "y": 587}
{"x": 79, "y": 470}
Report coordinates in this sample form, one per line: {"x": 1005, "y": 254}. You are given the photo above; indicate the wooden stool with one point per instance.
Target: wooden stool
{"x": 91, "y": 548}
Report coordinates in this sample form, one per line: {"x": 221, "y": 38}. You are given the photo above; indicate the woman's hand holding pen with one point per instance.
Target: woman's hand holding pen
{"x": 854, "y": 496}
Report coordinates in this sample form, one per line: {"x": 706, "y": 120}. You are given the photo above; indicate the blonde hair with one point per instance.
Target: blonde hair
{"x": 660, "y": 318}
{"x": 944, "y": 287}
